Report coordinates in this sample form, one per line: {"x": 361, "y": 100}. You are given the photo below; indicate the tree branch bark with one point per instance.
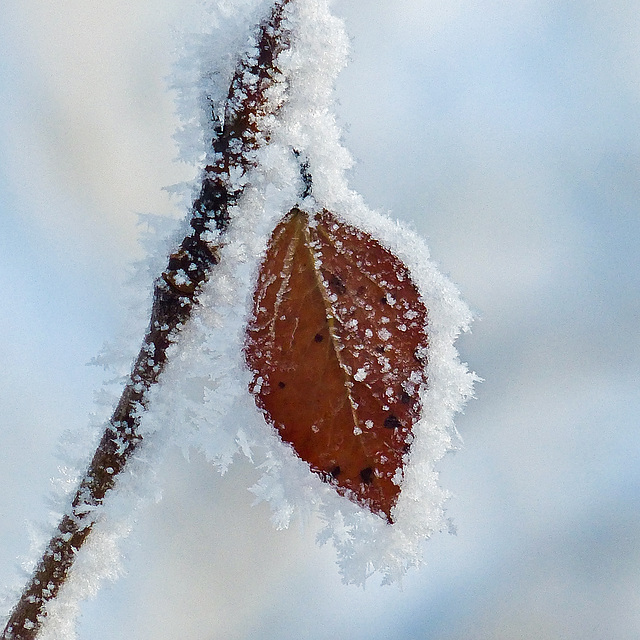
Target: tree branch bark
{"x": 175, "y": 296}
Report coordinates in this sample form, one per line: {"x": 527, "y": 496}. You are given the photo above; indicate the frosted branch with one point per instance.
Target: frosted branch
{"x": 234, "y": 142}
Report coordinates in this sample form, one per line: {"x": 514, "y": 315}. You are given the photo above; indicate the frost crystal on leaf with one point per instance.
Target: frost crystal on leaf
{"x": 306, "y": 337}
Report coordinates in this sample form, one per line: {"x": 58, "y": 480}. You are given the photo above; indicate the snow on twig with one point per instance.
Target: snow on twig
{"x": 246, "y": 110}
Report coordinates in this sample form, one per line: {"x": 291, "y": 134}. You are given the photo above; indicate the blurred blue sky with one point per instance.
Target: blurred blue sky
{"x": 508, "y": 134}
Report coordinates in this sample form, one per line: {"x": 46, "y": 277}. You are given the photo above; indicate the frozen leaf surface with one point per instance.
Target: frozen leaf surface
{"x": 337, "y": 344}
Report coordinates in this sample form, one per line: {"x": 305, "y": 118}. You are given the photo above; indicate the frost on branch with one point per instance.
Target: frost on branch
{"x": 248, "y": 104}
{"x": 272, "y": 146}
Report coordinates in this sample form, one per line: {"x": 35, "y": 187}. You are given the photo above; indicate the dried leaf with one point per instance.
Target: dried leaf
{"x": 337, "y": 345}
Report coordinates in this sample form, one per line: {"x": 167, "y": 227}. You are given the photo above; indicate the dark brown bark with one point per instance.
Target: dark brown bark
{"x": 175, "y": 296}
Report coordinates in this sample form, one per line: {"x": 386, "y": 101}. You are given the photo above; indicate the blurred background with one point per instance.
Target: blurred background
{"x": 505, "y": 132}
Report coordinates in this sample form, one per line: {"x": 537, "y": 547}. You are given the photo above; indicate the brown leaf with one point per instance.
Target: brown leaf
{"x": 337, "y": 345}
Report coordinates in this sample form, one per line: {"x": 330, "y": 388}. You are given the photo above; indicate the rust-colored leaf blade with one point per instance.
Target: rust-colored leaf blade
{"x": 337, "y": 345}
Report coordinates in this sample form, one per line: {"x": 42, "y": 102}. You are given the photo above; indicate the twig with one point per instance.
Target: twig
{"x": 175, "y": 296}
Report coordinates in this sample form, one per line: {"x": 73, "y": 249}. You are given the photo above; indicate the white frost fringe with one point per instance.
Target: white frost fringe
{"x": 203, "y": 399}
{"x": 206, "y": 384}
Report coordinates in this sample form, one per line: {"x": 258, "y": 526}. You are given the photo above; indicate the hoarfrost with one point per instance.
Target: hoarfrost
{"x": 203, "y": 399}
{"x": 211, "y": 347}
{"x": 360, "y": 374}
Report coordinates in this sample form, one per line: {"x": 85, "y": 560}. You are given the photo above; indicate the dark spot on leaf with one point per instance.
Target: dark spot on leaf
{"x": 380, "y": 348}
{"x": 318, "y": 338}
{"x": 335, "y": 472}
{"x": 405, "y": 398}
{"x": 367, "y": 475}
{"x": 336, "y": 284}
{"x": 361, "y": 290}
{"x": 384, "y": 300}
{"x": 391, "y": 422}
{"x": 282, "y": 385}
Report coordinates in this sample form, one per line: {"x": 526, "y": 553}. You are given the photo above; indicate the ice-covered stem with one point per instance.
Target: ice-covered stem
{"x": 244, "y": 129}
